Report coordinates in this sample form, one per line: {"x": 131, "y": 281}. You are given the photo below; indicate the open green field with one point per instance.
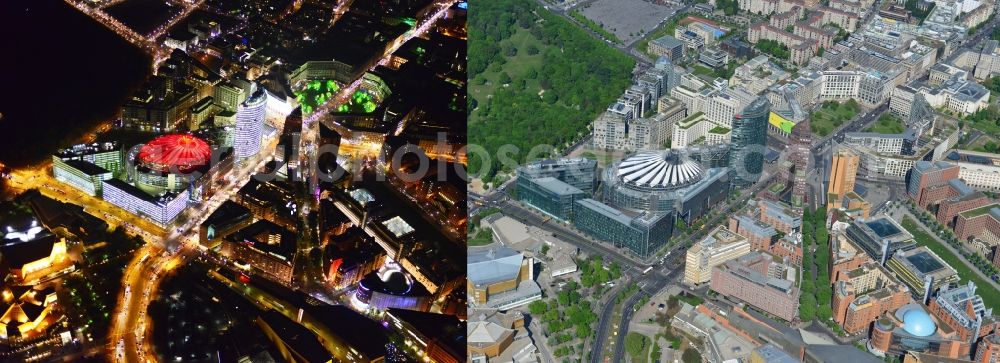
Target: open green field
{"x": 990, "y": 295}
{"x": 830, "y": 115}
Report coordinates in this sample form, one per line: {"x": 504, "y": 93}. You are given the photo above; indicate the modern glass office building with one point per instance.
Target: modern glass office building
{"x": 643, "y": 234}
{"x": 578, "y": 172}
{"x": 550, "y": 195}
{"x": 879, "y": 237}
{"x": 748, "y": 143}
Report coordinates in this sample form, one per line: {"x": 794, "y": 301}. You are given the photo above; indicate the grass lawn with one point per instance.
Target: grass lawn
{"x": 990, "y": 295}
{"x": 516, "y": 67}
{"x": 887, "y": 124}
{"x": 700, "y": 69}
{"x": 988, "y": 127}
{"x": 830, "y": 115}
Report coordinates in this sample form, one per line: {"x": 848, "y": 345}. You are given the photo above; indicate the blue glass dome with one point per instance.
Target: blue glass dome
{"x": 918, "y": 323}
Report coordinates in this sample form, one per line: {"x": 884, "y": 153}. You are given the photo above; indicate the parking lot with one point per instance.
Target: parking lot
{"x": 627, "y": 19}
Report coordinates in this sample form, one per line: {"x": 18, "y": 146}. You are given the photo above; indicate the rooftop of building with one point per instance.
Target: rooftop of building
{"x": 33, "y": 245}
{"x": 508, "y": 230}
{"x": 973, "y": 157}
{"x": 562, "y": 162}
{"x": 986, "y": 209}
{"x": 755, "y": 226}
{"x": 556, "y": 186}
{"x": 670, "y": 169}
{"x": 491, "y": 264}
{"x": 772, "y": 354}
{"x": 267, "y": 238}
{"x": 227, "y": 214}
{"x": 86, "y": 167}
{"x": 87, "y": 149}
{"x": 739, "y": 267}
{"x": 296, "y": 336}
{"x": 921, "y": 261}
{"x": 885, "y": 227}
{"x": 606, "y": 210}
{"x": 134, "y": 191}
{"x": 720, "y": 237}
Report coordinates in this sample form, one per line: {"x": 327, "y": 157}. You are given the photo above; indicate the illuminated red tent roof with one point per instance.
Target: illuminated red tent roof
{"x": 178, "y": 152}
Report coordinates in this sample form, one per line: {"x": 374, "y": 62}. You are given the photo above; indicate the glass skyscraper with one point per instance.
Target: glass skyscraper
{"x": 749, "y": 142}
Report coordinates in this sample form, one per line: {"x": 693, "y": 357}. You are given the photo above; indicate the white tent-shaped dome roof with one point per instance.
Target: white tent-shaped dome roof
{"x": 669, "y": 169}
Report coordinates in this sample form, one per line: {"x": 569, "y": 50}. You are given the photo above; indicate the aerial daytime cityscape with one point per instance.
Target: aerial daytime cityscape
{"x": 734, "y": 181}
{"x": 233, "y": 181}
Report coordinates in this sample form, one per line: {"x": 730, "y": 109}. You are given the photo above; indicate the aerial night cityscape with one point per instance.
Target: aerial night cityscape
{"x": 233, "y": 181}
{"x": 487, "y": 181}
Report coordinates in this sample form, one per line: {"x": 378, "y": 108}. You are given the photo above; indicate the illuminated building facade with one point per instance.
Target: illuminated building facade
{"x": 33, "y": 254}
{"x": 437, "y": 337}
{"x": 160, "y": 209}
{"x": 80, "y": 174}
{"x": 107, "y": 155}
{"x": 391, "y": 287}
{"x": 349, "y": 257}
{"x": 27, "y": 311}
{"x": 162, "y": 105}
{"x": 266, "y": 248}
{"x": 227, "y": 219}
{"x": 250, "y": 125}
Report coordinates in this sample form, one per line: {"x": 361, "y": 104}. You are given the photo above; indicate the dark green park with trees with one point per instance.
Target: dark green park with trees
{"x": 554, "y": 88}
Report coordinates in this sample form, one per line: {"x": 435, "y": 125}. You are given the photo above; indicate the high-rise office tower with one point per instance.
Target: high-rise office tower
{"x": 749, "y": 137}
{"x": 843, "y": 170}
{"x": 801, "y": 141}
{"x": 250, "y": 125}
